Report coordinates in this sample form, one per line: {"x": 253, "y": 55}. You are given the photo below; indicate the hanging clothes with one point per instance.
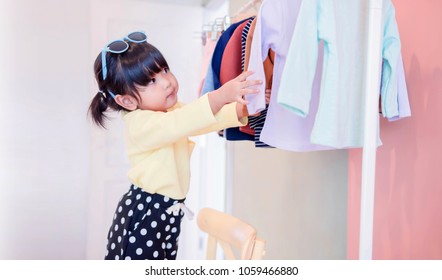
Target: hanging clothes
{"x": 256, "y": 122}
{"x": 209, "y": 83}
{"x": 282, "y": 129}
{"x": 246, "y": 129}
{"x": 208, "y": 49}
{"x": 403, "y": 102}
{"x": 229, "y": 48}
{"x": 230, "y": 64}
{"x": 219, "y": 51}
{"x": 212, "y": 79}
{"x": 341, "y": 25}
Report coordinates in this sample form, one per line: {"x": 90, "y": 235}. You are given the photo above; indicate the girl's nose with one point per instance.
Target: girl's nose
{"x": 166, "y": 82}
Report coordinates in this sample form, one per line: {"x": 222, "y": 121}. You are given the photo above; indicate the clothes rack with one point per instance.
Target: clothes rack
{"x": 370, "y": 135}
{"x": 370, "y": 118}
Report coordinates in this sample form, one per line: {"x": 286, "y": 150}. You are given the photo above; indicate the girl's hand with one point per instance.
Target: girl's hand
{"x": 233, "y": 91}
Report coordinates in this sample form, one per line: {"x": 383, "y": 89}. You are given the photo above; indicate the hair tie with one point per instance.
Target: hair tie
{"x": 102, "y": 93}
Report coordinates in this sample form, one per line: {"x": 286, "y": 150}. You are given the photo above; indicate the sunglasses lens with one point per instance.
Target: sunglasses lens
{"x": 118, "y": 46}
{"x": 137, "y": 37}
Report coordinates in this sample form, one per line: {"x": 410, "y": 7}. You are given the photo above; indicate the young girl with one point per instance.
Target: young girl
{"x": 133, "y": 77}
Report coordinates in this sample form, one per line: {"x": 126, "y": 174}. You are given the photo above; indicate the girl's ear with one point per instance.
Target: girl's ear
{"x": 126, "y": 101}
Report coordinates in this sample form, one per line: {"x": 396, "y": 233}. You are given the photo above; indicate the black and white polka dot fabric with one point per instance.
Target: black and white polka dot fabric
{"x": 142, "y": 229}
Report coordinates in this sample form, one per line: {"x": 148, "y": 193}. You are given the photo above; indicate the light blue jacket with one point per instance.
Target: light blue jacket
{"x": 343, "y": 27}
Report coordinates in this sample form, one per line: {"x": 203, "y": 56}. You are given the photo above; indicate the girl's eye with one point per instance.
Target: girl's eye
{"x": 152, "y": 82}
{"x": 165, "y": 70}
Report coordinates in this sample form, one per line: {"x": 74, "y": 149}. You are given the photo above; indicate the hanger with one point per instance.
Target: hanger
{"x": 215, "y": 28}
{"x": 212, "y": 30}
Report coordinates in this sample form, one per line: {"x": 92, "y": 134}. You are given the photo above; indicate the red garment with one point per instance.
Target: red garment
{"x": 231, "y": 63}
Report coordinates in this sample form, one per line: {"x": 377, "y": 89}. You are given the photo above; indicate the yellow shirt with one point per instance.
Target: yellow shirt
{"x": 158, "y": 146}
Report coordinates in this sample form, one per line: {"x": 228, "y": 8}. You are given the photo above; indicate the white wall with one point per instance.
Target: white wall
{"x": 296, "y": 201}
{"x": 52, "y": 204}
{"x": 44, "y": 133}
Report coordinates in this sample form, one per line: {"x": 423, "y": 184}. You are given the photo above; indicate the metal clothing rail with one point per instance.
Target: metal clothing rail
{"x": 371, "y": 129}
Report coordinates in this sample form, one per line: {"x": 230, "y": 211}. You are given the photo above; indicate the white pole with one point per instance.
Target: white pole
{"x": 370, "y": 134}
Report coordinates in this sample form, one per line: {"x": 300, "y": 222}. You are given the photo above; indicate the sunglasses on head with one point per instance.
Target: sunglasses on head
{"x": 120, "y": 46}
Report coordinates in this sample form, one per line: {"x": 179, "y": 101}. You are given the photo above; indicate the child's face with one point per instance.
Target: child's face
{"x": 161, "y": 93}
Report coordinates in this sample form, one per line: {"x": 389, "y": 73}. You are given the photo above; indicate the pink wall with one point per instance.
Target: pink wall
{"x": 408, "y": 195}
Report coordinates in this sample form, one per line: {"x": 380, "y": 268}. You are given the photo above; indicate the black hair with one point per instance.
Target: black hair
{"x": 125, "y": 72}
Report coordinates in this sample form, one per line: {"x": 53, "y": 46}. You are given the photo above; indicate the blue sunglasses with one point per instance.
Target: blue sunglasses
{"x": 120, "y": 46}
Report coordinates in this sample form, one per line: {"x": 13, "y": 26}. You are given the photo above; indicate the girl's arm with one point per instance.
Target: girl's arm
{"x": 230, "y": 115}
{"x": 227, "y": 103}
{"x": 217, "y": 110}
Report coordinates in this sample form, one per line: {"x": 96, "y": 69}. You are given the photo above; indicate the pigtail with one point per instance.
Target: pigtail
{"x": 98, "y": 107}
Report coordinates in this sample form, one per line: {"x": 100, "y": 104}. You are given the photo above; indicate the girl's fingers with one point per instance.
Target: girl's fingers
{"x": 242, "y": 101}
{"x": 249, "y": 83}
{"x": 243, "y": 76}
{"x": 246, "y": 91}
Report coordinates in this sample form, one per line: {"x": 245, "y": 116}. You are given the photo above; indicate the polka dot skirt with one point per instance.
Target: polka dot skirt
{"x": 142, "y": 229}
